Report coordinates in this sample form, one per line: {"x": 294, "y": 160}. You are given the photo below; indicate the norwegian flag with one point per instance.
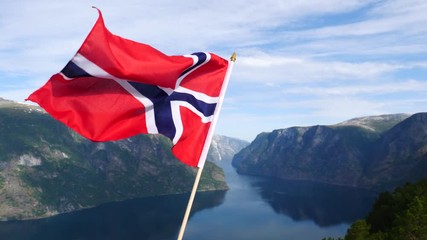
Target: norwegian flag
{"x": 115, "y": 88}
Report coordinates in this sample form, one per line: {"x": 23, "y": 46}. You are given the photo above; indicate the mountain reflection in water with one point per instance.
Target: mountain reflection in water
{"x": 324, "y": 204}
{"x": 150, "y": 218}
{"x": 254, "y": 208}
{"x": 262, "y": 208}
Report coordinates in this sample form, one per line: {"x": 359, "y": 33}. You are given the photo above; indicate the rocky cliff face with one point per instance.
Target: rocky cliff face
{"x": 400, "y": 154}
{"x": 223, "y": 148}
{"x": 368, "y": 153}
{"x": 378, "y": 123}
{"x": 46, "y": 169}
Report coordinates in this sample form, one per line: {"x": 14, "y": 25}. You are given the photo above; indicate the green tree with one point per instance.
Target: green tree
{"x": 412, "y": 224}
{"x": 381, "y": 217}
{"x": 359, "y": 230}
{"x": 399, "y": 215}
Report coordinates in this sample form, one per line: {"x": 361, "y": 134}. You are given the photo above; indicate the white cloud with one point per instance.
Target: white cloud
{"x": 273, "y": 68}
{"x": 410, "y": 86}
{"x": 387, "y": 17}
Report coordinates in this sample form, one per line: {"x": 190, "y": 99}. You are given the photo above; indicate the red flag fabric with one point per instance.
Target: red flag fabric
{"x": 115, "y": 88}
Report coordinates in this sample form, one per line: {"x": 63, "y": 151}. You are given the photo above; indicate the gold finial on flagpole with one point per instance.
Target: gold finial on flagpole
{"x": 233, "y": 57}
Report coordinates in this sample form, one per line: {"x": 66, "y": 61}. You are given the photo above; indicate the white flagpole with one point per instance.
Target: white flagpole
{"x": 190, "y": 203}
{"x": 206, "y": 148}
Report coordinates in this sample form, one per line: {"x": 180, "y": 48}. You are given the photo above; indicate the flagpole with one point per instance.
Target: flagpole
{"x": 206, "y": 149}
{"x": 190, "y": 203}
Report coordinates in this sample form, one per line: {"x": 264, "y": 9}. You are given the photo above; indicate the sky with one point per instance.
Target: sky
{"x": 299, "y": 62}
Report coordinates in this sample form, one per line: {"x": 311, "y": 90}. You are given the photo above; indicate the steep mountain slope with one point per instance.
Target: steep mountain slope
{"x": 378, "y": 123}
{"x": 223, "y": 148}
{"x": 46, "y": 169}
{"x": 367, "y": 152}
{"x": 401, "y": 153}
{"x": 316, "y": 153}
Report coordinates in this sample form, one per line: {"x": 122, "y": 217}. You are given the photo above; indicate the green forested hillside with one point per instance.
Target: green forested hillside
{"x": 45, "y": 168}
{"x": 397, "y": 215}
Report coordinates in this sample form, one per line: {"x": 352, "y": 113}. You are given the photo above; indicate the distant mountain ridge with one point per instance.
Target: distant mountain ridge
{"x": 379, "y": 152}
{"x": 46, "y": 169}
{"x": 378, "y": 123}
{"x": 224, "y": 148}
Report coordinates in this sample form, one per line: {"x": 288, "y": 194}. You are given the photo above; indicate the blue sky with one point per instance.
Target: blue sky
{"x": 300, "y": 62}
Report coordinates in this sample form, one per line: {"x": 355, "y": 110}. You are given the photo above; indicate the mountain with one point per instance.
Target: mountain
{"x": 223, "y": 148}
{"x": 378, "y": 123}
{"x": 378, "y": 152}
{"x": 46, "y": 169}
{"x": 400, "y": 154}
